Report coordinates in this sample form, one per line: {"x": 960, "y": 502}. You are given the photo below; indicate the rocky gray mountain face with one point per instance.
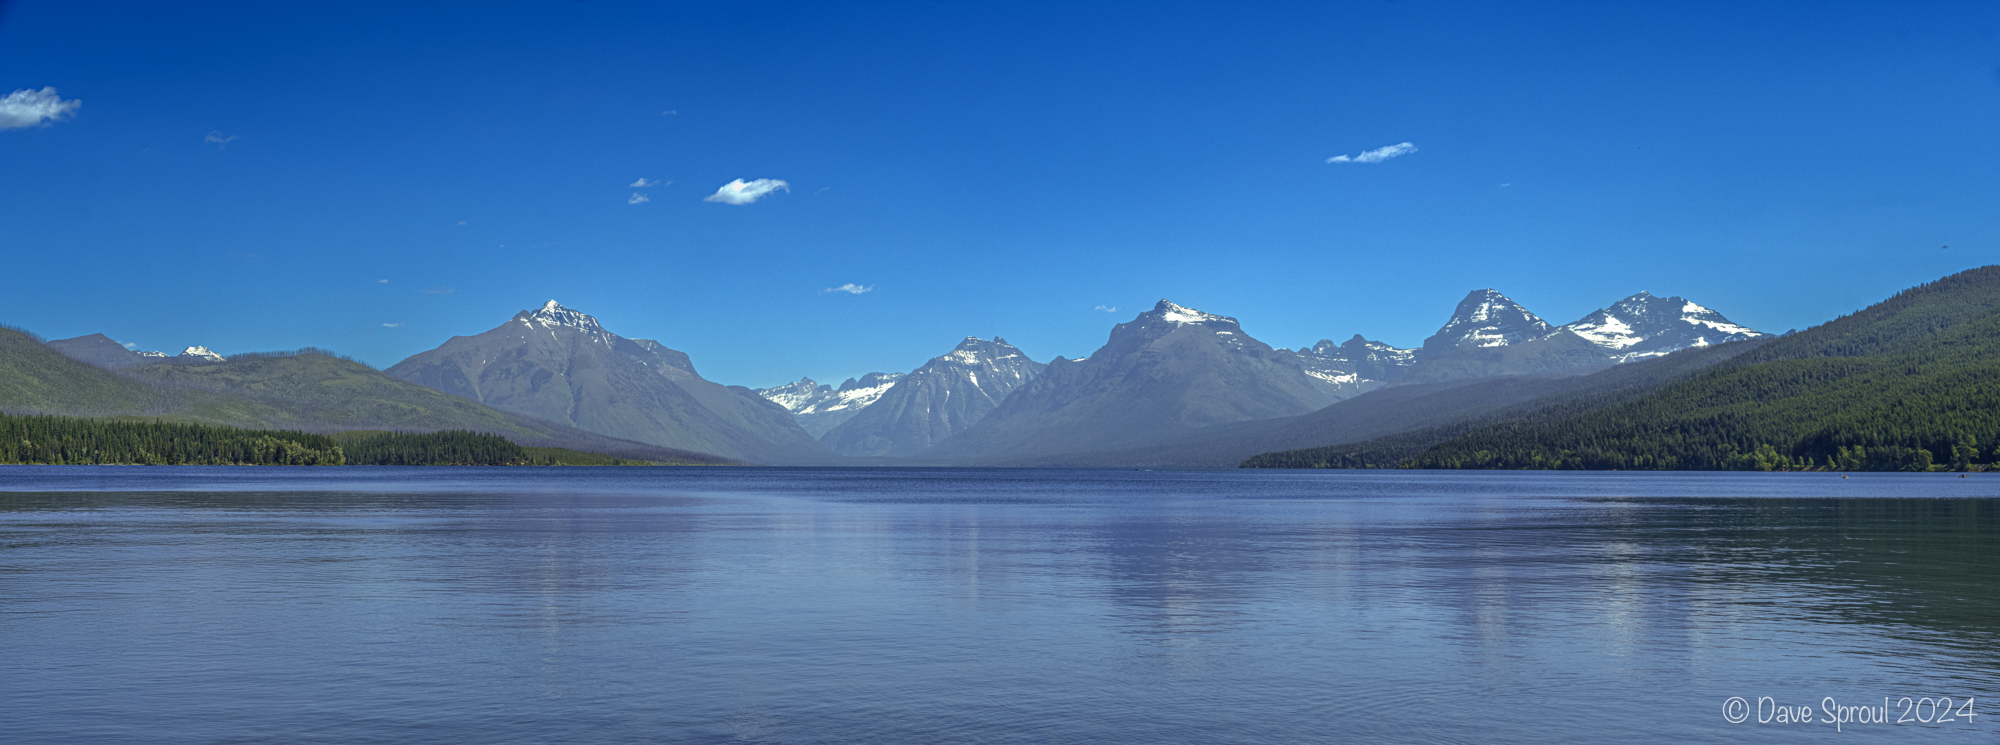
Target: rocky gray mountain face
{"x": 1486, "y": 318}
{"x": 819, "y": 407}
{"x": 1170, "y": 370}
{"x": 1490, "y": 335}
{"x": 561, "y": 365}
{"x": 943, "y": 397}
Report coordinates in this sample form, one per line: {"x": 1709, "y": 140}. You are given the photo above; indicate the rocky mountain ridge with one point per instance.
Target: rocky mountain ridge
{"x": 820, "y": 407}
{"x": 943, "y": 397}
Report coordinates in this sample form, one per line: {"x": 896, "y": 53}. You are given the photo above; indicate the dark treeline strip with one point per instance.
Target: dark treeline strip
{"x": 459, "y": 448}
{"x": 58, "y": 440}
{"x": 448, "y": 448}
{"x": 76, "y": 441}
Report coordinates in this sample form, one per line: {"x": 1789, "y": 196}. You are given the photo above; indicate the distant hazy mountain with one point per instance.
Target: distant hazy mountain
{"x": 560, "y": 364}
{"x": 943, "y": 397}
{"x": 100, "y": 350}
{"x": 1644, "y": 325}
{"x": 819, "y": 407}
{"x": 1356, "y": 365}
{"x": 1171, "y": 369}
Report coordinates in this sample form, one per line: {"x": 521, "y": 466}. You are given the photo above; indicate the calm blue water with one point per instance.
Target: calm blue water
{"x": 979, "y": 606}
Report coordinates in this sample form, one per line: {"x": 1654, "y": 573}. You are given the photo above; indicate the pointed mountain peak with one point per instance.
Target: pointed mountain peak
{"x": 554, "y": 314}
{"x": 199, "y": 352}
{"x": 1486, "y": 318}
{"x": 1170, "y": 312}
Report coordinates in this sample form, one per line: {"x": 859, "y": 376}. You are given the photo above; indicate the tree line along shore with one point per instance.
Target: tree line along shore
{"x": 80, "y": 441}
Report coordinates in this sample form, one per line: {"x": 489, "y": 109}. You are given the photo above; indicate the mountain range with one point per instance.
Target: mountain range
{"x": 819, "y": 407}
{"x": 1173, "y": 386}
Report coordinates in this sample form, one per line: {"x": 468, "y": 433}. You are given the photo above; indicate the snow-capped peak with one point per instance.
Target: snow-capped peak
{"x": 201, "y": 353}
{"x": 553, "y": 313}
{"x": 1179, "y": 314}
{"x": 1647, "y": 325}
{"x": 1486, "y": 318}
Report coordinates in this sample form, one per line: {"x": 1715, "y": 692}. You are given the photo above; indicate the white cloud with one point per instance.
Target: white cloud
{"x": 29, "y": 108}
{"x": 745, "y": 192}
{"x": 128, "y": 345}
{"x": 1378, "y": 154}
{"x": 461, "y": 223}
{"x": 638, "y": 198}
{"x": 390, "y": 325}
{"x": 381, "y": 281}
{"x": 642, "y": 183}
{"x": 218, "y": 139}
{"x": 1107, "y": 308}
{"x": 850, "y": 288}
{"x": 671, "y": 112}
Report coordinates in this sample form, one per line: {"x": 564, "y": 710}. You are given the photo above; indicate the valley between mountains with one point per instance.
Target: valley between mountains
{"x": 1645, "y": 382}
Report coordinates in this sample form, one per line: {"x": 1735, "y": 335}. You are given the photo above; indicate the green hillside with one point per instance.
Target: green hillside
{"x": 34, "y": 378}
{"x": 1911, "y": 383}
{"x": 322, "y": 393}
{"x": 309, "y": 391}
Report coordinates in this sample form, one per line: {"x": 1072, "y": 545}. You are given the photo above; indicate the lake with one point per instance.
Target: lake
{"x": 412, "y": 605}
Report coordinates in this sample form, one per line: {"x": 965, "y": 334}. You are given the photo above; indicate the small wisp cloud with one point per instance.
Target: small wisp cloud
{"x": 1378, "y": 154}
{"x": 745, "y": 192}
{"x": 642, "y": 183}
{"x": 850, "y": 288}
{"x": 1107, "y": 308}
{"x": 35, "y": 108}
{"x": 638, "y": 198}
{"x": 220, "y": 140}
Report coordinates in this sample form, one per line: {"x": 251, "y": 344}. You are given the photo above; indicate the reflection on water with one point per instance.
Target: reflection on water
{"x": 751, "y": 605}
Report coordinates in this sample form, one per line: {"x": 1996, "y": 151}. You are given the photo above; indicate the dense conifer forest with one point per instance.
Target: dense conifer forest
{"x": 58, "y": 440}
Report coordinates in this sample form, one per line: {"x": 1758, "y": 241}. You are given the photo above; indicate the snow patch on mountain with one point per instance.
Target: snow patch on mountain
{"x": 1646, "y": 325}
{"x": 1486, "y": 318}
{"x": 199, "y": 353}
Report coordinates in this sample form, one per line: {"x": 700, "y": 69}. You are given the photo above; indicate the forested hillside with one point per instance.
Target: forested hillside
{"x": 1912, "y": 383}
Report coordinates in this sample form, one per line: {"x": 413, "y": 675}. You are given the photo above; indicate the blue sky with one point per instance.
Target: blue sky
{"x": 244, "y": 176}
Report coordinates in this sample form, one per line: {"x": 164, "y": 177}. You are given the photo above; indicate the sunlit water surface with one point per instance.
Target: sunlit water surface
{"x": 415, "y": 605}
